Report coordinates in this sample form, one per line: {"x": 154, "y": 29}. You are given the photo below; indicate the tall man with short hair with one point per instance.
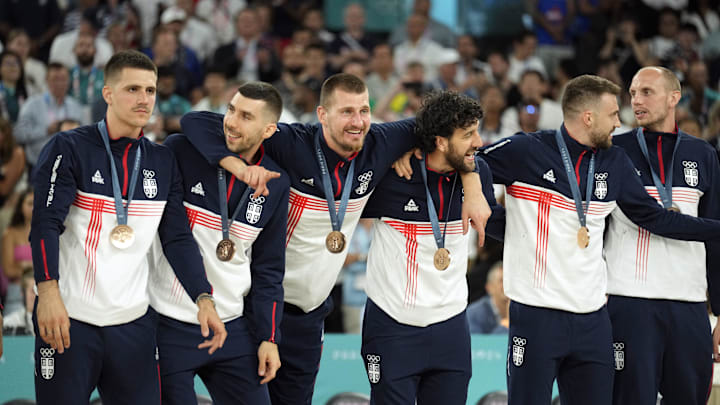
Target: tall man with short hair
{"x": 93, "y": 224}
{"x": 243, "y": 244}
{"x": 333, "y": 169}
{"x": 555, "y": 275}
{"x": 657, "y": 286}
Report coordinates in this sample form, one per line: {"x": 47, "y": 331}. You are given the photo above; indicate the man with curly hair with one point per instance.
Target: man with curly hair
{"x": 417, "y": 262}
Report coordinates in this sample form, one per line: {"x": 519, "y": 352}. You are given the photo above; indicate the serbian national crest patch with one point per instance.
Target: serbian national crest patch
{"x": 601, "y": 186}
{"x": 691, "y": 173}
{"x": 518, "y": 350}
{"x": 254, "y": 209}
{"x": 619, "y": 355}
{"x": 373, "y": 368}
{"x": 149, "y": 183}
{"x": 47, "y": 362}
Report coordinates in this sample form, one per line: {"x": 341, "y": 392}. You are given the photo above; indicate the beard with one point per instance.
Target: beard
{"x": 85, "y": 60}
{"x": 601, "y": 140}
{"x": 457, "y": 161}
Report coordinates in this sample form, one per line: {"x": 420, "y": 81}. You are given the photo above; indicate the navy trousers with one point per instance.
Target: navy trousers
{"x": 230, "y": 374}
{"x": 660, "y": 346}
{"x": 545, "y": 344}
{"x": 406, "y": 363}
{"x": 120, "y": 360}
{"x": 300, "y": 350}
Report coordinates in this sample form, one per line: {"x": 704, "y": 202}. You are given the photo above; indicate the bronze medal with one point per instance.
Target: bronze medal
{"x": 442, "y": 259}
{"x": 335, "y": 242}
{"x": 674, "y": 208}
{"x": 583, "y": 237}
{"x": 122, "y": 236}
{"x": 225, "y": 250}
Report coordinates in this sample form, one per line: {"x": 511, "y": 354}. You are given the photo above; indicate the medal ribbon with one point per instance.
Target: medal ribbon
{"x": 580, "y": 205}
{"x": 120, "y": 210}
{"x": 432, "y": 213}
{"x": 664, "y": 190}
{"x": 336, "y": 217}
{"x": 222, "y": 187}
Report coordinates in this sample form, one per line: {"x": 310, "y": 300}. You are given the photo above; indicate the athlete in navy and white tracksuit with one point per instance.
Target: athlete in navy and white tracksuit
{"x": 559, "y": 325}
{"x": 306, "y": 286}
{"x": 104, "y": 289}
{"x": 416, "y": 342}
{"x": 657, "y": 286}
{"x": 256, "y": 269}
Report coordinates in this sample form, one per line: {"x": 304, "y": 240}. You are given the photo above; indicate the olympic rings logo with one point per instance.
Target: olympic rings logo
{"x": 47, "y": 352}
{"x": 258, "y": 200}
{"x": 365, "y": 177}
{"x": 690, "y": 165}
{"x": 519, "y": 341}
{"x": 618, "y": 345}
{"x": 373, "y": 358}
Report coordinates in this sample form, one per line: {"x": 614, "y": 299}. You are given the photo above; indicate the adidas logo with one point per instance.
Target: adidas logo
{"x": 411, "y": 206}
{"x": 198, "y": 189}
{"x": 98, "y": 178}
{"x": 310, "y": 182}
{"x": 549, "y": 176}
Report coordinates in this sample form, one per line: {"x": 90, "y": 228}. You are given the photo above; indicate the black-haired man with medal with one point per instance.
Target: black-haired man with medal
{"x": 104, "y": 194}
{"x": 416, "y": 341}
{"x": 242, "y": 238}
{"x": 658, "y": 286}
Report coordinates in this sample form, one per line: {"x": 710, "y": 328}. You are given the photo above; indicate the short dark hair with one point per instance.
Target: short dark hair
{"x": 265, "y": 92}
{"x": 585, "y": 90}
{"x": 441, "y": 114}
{"x": 342, "y": 81}
{"x": 128, "y": 59}
{"x": 57, "y": 66}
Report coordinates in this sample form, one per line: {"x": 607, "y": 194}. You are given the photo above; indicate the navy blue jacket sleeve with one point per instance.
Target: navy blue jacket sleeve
{"x": 268, "y": 268}
{"x": 644, "y": 211}
{"x": 395, "y": 138}
{"x": 710, "y": 208}
{"x": 205, "y": 131}
{"x": 55, "y": 189}
{"x": 177, "y": 240}
{"x": 503, "y": 157}
{"x": 496, "y": 224}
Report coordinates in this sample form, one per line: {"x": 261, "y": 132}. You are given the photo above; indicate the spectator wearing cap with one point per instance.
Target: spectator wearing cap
{"x": 435, "y": 30}
{"x": 193, "y": 32}
{"x": 62, "y": 47}
{"x": 248, "y": 57}
{"x": 416, "y": 48}
{"x": 447, "y": 61}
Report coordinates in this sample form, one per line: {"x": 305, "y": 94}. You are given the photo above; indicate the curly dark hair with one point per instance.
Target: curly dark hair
{"x": 441, "y": 114}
